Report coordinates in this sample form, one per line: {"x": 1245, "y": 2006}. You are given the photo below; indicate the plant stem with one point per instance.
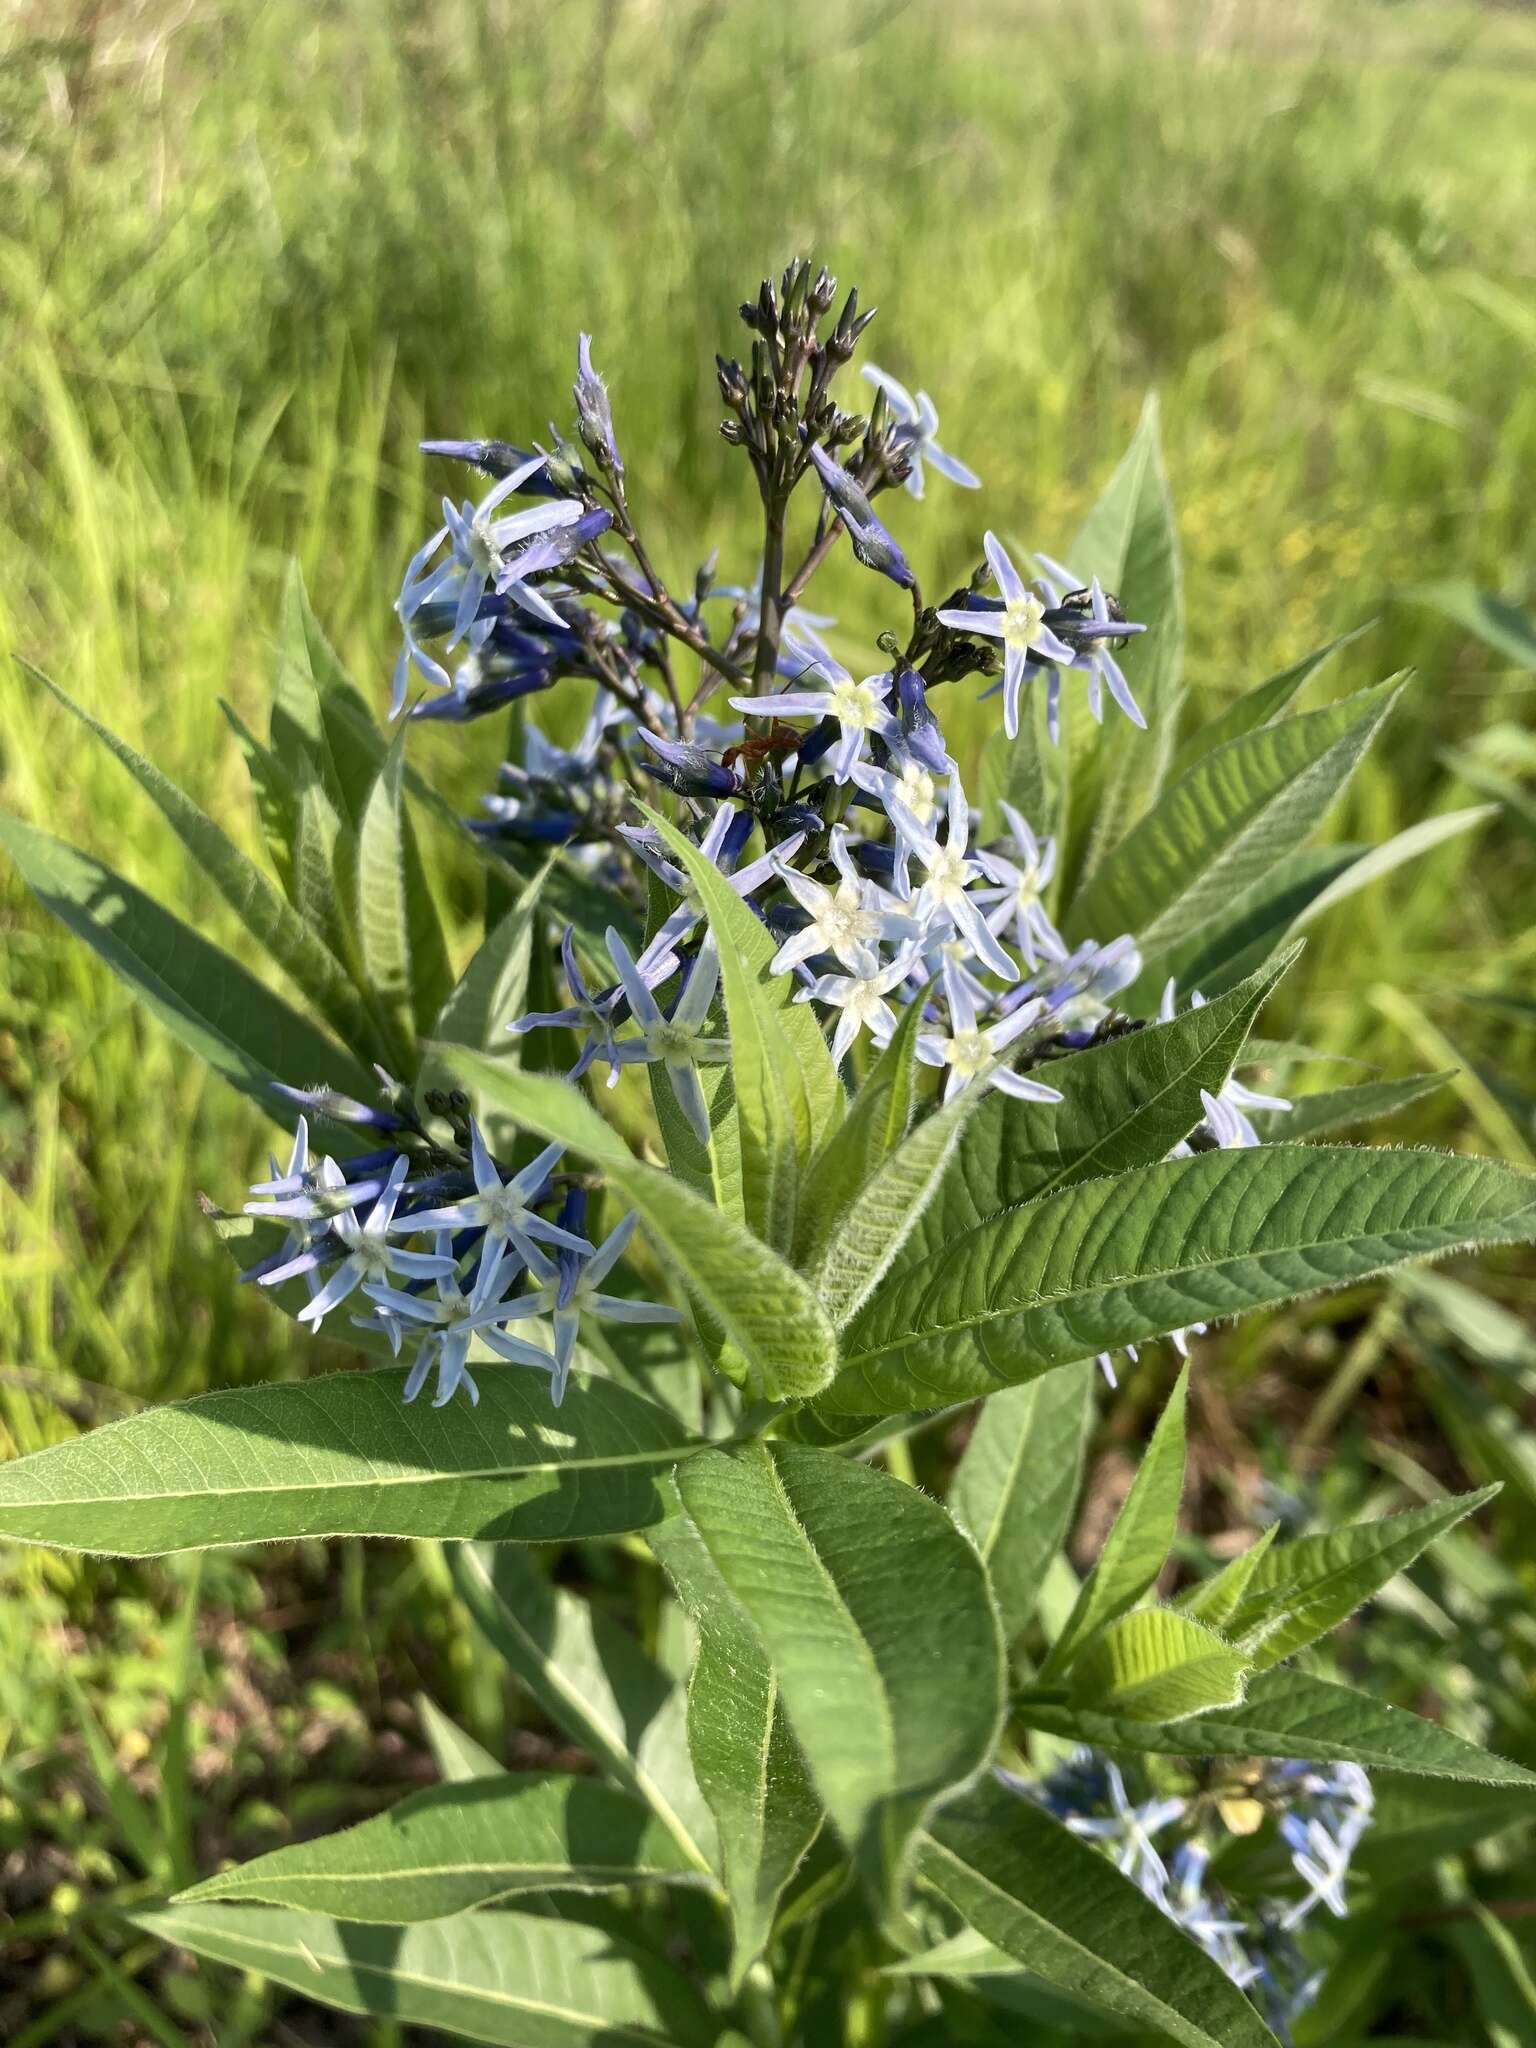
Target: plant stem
{"x": 771, "y": 604}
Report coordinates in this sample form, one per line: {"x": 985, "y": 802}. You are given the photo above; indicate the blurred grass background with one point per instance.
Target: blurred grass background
{"x": 249, "y": 254}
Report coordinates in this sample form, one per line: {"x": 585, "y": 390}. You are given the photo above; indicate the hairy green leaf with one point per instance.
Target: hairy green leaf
{"x": 593, "y": 1680}
{"x": 1225, "y": 824}
{"x": 1113, "y": 1262}
{"x": 202, "y": 995}
{"x": 1156, "y": 1664}
{"x": 875, "y": 1614}
{"x": 513, "y": 1979}
{"x": 747, "y": 1762}
{"x": 874, "y": 1227}
{"x": 1214, "y": 1600}
{"x": 878, "y": 1119}
{"x": 1016, "y": 1485}
{"x": 1298, "y": 1591}
{"x": 343, "y": 1456}
{"x": 1137, "y": 1547}
{"x": 454, "y": 1847}
{"x": 1290, "y": 1714}
{"x": 1261, "y": 705}
{"x": 1059, "y": 1908}
{"x": 788, "y": 1095}
{"x": 1124, "y": 1104}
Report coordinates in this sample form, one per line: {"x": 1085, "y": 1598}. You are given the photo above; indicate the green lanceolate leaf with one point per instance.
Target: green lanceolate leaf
{"x": 1298, "y": 1591}
{"x": 788, "y": 1095}
{"x": 1261, "y": 705}
{"x": 343, "y": 1456}
{"x": 1124, "y": 1104}
{"x": 876, "y": 1618}
{"x": 1290, "y": 1714}
{"x": 1394, "y": 853}
{"x": 1226, "y": 823}
{"x": 878, "y": 1119}
{"x": 1130, "y": 542}
{"x": 1156, "y": 1664}
{"x": 513, "y": 1979}
{"x": 1137, "y": 1547}
{"x": 202, "y": 995}
{"x": 262, "y": 909}
{"x": 454, "y": 1847}
{"x": 1246, "y": 931}
{"x": 387, "y": 916}
{"x": 1340, "y": 1109}
{"x": 764, "y": 1307}
{"x": 458, "y": 1756}
{"x": 1504, "y": 627}
{"x": 747, "y": 1761}
{"x": 323, "y": 852}
{"x": 1215, "y": 1599}
{"x": 1113, "y": 1262}
{"x": 872, "y": 1230}
{"x": 276, "y": 795}
{"x": 489, "y": 995}
{"x": 593, "y": 1680}
{"x": 1016, "y": 1485}
{"x": 1059, "y": 1908}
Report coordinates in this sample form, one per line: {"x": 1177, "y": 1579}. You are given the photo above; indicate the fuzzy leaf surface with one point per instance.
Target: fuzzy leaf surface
{"x": 1134, "y": 1551}
{"x": 1300, "y": 1590}
{"x": 875, "y": 1614}
{"x": 454, "y": 1847}
{"x": 746, "y": 1759}
{"x": 593, "y": 1680}
{"x": 1226, "y": 822}
{"x": 1291, "y": 1714}
{"x": 1059, "y": 1908}
{"x": 512, "y": 1979}
{"x": 342, "y": 1455}
{"x": 1016, "y": 1485}
{"x": 1113, "y": 1262}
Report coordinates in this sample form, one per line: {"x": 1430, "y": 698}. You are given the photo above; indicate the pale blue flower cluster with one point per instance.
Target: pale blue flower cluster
{"x": 494, "y": 1258}
{"x": 1167, "y": 1843}
{"x": 828, "y": 799}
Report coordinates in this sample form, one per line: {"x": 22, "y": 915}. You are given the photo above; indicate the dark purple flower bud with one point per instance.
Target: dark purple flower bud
{"x": 738, "y": 832}
{"x": 572, "y": 1217}
{"x": 341, "y": 1109}
{"x": 497, "y": 459}
{"x": 594, "y": 415}
{"x": 548, "y": 828}
{"x": 818, "y": 739}
{"x": 873, "y": 545}
{"x": 919, "y": 727}
{"x": 460, "y": 707}
{"x": 793, "y": 818}
{"x": 689, "y": 769}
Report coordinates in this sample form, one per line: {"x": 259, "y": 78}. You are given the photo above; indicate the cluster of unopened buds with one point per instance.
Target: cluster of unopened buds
{"x": 831, "y": 801}
{"x": 1167, "y": 1842}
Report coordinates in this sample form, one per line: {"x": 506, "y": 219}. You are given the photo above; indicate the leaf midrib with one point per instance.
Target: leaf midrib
{"x": 393, "y": 1974}
{"x": 1163, "y": 1273}
{"x": 1008, "y": 1899}
{"x": 668, "y": 1455}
